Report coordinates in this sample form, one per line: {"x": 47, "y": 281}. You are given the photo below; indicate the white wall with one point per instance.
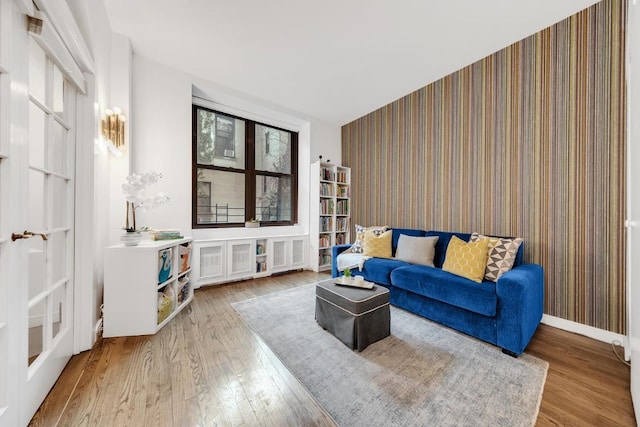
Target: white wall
{"x": 326, "y": 142}
{"x": 161, "y": 141}
{"x": 119, "y": 167}
{"x": 97, "y": 34}
{"x": 633, "y": 199}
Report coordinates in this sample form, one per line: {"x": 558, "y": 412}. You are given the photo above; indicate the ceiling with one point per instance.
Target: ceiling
{"x": 332, "y": 60}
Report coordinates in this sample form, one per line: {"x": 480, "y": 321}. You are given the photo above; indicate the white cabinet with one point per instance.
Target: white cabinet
{"x": 299, "y": 250}
{"x": 241, "y": 259}
{"x": 330, "y": 211}
{"x": 209, "y": 262}
{"x": 219, "y": 261}
{"x": 145, "y": 286}
{"x": 279, "y": 254}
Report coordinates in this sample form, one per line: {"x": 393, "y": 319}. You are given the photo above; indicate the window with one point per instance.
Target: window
{"x": 242, "y": 170}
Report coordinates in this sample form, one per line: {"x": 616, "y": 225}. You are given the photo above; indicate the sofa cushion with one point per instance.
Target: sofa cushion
{"x": 467, "y": 259}
{"x": 379, "y": 270}
{"x": 416, "y": 250}
{"x": 447, "y": 287}
{"x": 377, "y": 245}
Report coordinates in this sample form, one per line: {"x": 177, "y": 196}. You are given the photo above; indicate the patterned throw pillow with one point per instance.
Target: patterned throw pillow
{"x": 466, "y": 259}
{"x": 502, "y": 255}
{"x": 377, "y": 245}
{"x": 358, "y": 244}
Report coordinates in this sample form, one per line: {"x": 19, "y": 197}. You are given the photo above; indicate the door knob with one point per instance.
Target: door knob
{"x": 26, "y": 235}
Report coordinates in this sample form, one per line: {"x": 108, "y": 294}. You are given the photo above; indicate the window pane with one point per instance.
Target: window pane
{"x": 220, "y": 140}
{"x": 273, "y": 198}
{"x": 273, "y": 150}
{"x": 220, "y": 197}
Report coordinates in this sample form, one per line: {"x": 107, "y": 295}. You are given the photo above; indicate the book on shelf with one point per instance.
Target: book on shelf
{"x": 166, "y": 234}
{"x": 342, "y": 207}
{"x": 343, "y": 191}
{"x": 324, "y": 258}
{"x": 261, "y": 266}
{"x": 326, "y": 224}
{"x": 326, "y": 189}
{"x": 326, "y": 207}
{"x": 324, "y": 241}
{"x": 326, "y": 174}
{"x": 342, "y": 224}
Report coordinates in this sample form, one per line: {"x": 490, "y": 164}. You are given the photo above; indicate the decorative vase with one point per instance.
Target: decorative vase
{"x": 131, "y": 238}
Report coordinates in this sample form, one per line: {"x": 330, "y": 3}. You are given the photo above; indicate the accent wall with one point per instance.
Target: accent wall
{"x": 528, "y": 142}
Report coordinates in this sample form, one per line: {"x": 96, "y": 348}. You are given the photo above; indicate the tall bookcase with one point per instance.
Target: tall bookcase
{"x": 330, "y": 211}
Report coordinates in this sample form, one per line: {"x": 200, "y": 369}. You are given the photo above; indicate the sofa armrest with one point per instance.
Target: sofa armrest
{"x": 335, "y": 251}
{"x": 520, "y": 295}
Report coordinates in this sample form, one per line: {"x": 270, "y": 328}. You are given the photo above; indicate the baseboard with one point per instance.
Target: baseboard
{"x": 97, "y": 330}
{"x": 588, "y": 331}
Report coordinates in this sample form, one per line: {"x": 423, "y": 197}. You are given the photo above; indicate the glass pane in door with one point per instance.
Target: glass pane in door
{"x": 60, "y": 199}
{"x": 58, "y": 314}
{"x": 37, "y": 119}
{"x": 58, "y": 92}
{"x": 37, "y": 191}
{"x": 37, "y": 317}
{"x": 59, "y": 149}
{"x": 37, "y": 261}
{"x": 58, "y": 242}
{"x": 37, "y": 71}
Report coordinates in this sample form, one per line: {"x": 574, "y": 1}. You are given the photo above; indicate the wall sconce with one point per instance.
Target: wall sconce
{"x": 113, "y": 127}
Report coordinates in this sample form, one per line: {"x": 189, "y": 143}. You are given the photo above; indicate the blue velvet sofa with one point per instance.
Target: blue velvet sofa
{"x": 505, "y": 313}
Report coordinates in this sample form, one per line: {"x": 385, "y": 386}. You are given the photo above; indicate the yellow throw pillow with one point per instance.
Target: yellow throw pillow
{"x": 377, "y": 245}
{"x": 466, "y": 259}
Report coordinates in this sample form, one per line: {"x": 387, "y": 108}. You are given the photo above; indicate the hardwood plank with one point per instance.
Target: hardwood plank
{"x": 207, "y": 367}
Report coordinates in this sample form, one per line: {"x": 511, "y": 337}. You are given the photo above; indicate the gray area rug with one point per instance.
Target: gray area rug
{"x": 423, "y": 374}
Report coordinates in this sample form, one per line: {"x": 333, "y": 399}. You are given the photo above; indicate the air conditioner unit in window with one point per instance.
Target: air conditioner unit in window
{"x": 229, "y": 153}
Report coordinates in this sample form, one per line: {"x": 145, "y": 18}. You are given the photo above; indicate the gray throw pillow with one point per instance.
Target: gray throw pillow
{"x": 416, "y": 250}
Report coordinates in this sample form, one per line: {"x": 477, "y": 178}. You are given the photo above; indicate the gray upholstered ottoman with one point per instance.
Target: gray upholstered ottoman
{"x": 357, "y": 317}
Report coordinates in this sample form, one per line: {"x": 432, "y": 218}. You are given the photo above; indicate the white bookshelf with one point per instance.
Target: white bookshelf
{"x": 330, "y": 211}
{"x": 136, "y": 280}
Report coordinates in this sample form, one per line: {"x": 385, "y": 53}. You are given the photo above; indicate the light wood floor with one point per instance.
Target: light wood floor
{"x": 206, "y": 368}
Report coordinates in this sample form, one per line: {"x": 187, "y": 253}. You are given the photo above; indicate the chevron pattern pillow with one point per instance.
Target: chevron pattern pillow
{"x": 502, "y": 255}
{"x": 358, "y": 245}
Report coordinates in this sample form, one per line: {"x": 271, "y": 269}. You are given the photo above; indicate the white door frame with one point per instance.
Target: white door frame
{"x": 632, "y": 61}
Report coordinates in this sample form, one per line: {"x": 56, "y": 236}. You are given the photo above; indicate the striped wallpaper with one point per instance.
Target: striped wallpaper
{"x": 527, "y": 142}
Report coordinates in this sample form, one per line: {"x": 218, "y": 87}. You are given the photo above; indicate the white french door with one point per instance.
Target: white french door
{"x": 37, "y": 165}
